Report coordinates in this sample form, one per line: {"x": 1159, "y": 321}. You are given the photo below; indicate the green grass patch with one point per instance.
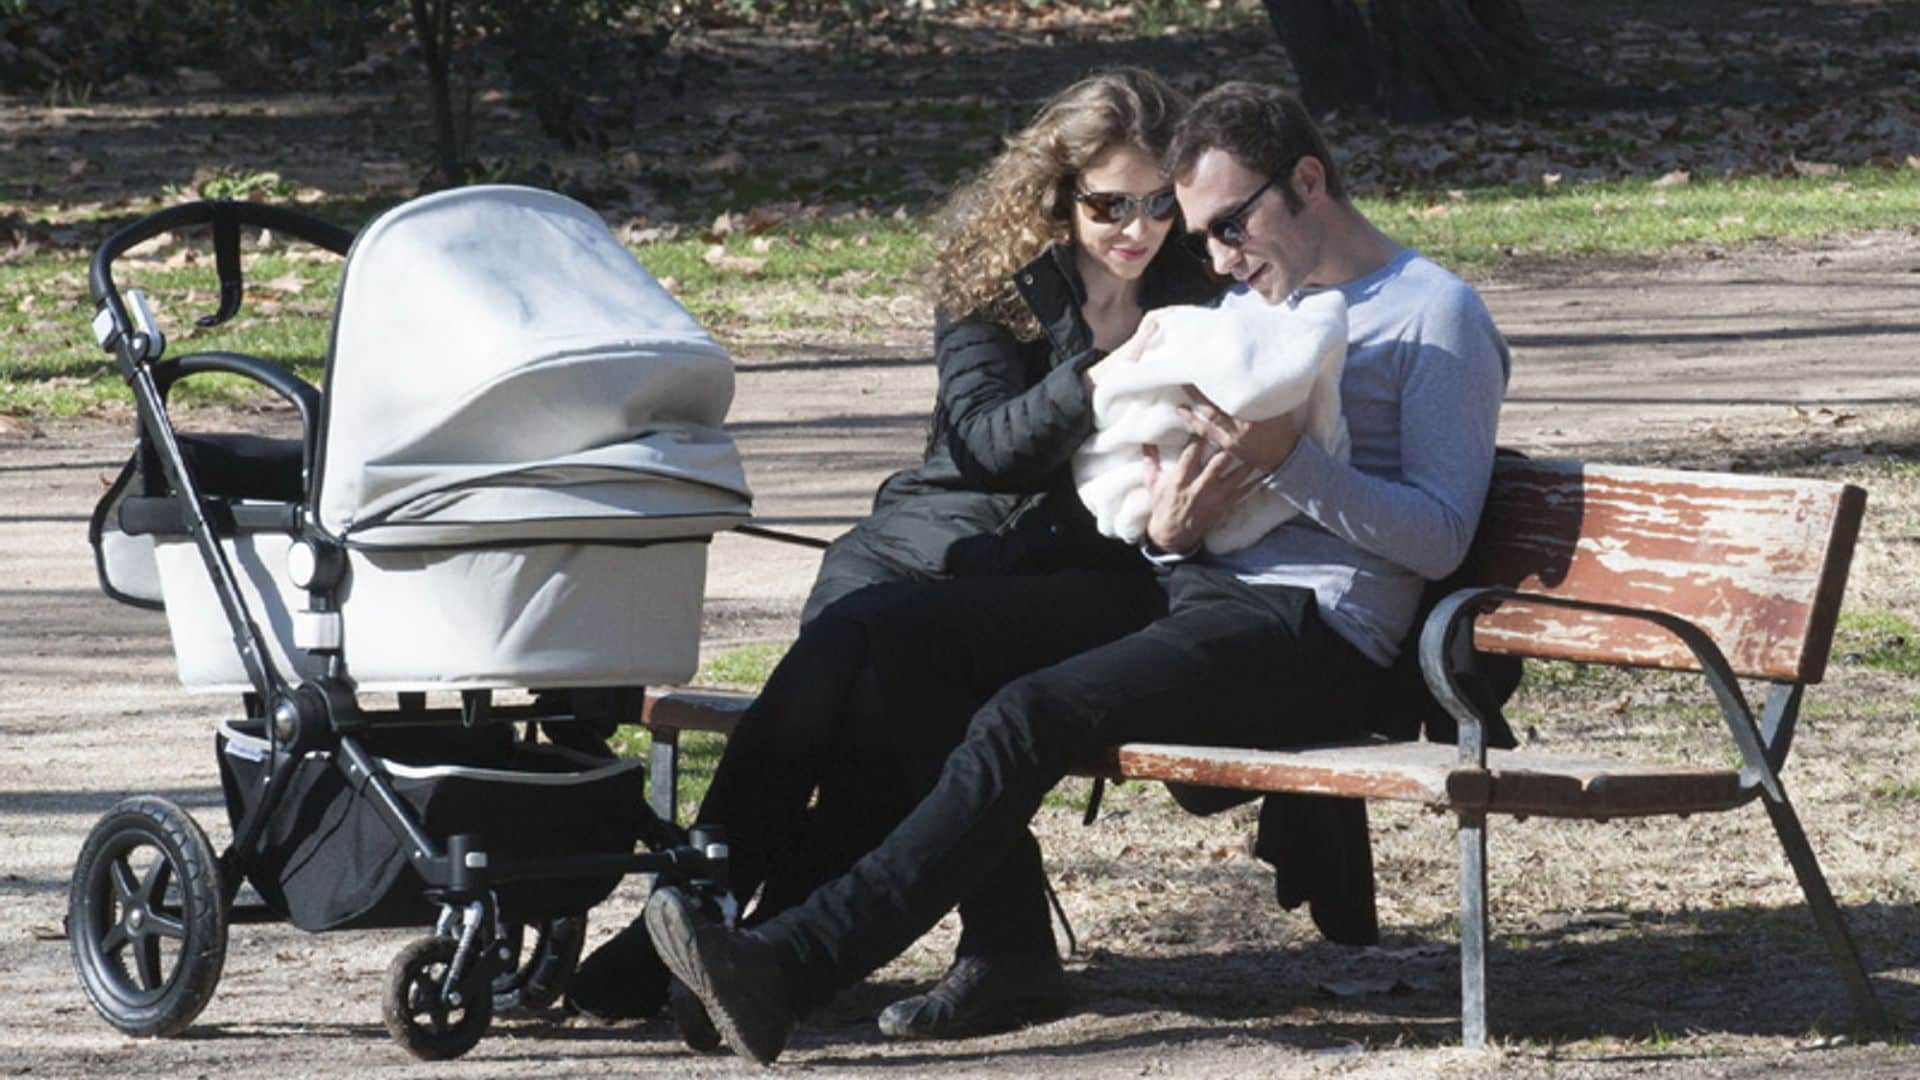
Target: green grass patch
{"x": 50, "y": 364}
{"x": 1485, "y": 227}
{"x": 840, "y": 277}
{"x": 744, "y": 668}
{"x": 1878, "y": 639}
{"x": 1897, "y": 791}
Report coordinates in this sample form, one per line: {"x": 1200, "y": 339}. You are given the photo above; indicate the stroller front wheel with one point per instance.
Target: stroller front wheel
{"x": 146, "y": 917}
{"x": 433, "y": 1021}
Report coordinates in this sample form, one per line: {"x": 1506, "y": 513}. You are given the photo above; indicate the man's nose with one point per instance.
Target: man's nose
{"x": 1224, "y": 256}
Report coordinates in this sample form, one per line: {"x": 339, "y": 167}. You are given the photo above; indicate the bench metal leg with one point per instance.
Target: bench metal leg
{"x": 1473, "y": 930}
{"x": 663, "y": 773}
{"x": 1826, "y": 913}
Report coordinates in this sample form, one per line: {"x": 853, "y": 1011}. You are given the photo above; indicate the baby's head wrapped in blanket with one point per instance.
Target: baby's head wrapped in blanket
{"x": 1254, "y": 360}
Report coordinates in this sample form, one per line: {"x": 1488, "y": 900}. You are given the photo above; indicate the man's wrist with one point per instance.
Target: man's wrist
{"x": 1157, "y": 553}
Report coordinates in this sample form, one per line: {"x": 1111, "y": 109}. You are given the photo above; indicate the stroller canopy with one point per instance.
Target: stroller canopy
{"x": 503, "y": 370}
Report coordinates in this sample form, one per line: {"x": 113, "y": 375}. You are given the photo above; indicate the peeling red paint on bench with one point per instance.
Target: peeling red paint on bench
{"x": 1756, "y": 562}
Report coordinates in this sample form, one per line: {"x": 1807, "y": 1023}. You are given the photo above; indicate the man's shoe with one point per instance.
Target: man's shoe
{"x": 622, "y": 979}
{"x": 690, "y": 1017}
{"x": 734, "y": 974}
{"x": 982, "y": 994}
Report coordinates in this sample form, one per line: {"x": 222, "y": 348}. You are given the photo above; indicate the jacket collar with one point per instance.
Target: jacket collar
{"x": 1055, "y": 293}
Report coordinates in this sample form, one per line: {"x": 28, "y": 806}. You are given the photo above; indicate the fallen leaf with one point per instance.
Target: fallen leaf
{"x": 1812, "y": 168}
{"x": 1549, "y": 180}
{"x": 720, "y": 258}
{"x": 1426, "y": 213}
{"x": 721, "y": 228}
{"x": 728, "y": 163}
{"x": 1676, "y": 178}
{"x": 288, "y": 283}
{"x": 1348, "y": 988}
{"x": 19, "y": 427}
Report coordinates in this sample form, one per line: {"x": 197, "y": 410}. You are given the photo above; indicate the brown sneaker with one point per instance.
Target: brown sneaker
{"x": 979, "y": 995}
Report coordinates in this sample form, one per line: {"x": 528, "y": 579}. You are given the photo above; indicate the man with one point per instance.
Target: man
{"x": 1268, "y": 646}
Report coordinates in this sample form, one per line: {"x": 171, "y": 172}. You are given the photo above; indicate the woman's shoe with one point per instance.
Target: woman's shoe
{"x": 982, "y": 994}
{"x": 622, "y": 979}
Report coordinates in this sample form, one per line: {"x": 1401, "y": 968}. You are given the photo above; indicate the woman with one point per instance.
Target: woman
{"x": 1047, "y": 260}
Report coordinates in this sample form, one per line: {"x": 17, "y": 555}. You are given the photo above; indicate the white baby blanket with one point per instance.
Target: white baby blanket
{"x": 1254, "y": 360}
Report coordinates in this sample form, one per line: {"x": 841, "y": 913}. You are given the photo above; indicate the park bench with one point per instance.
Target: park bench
{"x": 1730, "y": 576}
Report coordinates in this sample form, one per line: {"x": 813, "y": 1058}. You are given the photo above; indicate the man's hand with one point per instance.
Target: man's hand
{"x": 1261, "y": 444}
{"x": 1191, "y": 494}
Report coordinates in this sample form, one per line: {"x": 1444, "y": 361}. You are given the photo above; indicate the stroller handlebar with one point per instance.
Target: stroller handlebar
{"x": 227, "y": 218}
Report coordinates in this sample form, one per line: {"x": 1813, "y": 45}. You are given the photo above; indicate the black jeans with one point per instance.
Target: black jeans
{"x": 848, "y": 734}
{"x": 1228, "y": 664}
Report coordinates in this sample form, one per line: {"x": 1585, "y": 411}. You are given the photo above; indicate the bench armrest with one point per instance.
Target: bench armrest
{"x": 1446, "y": 642}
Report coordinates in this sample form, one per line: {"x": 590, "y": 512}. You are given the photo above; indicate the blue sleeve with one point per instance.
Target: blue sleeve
{"x": 1452, "y": 382}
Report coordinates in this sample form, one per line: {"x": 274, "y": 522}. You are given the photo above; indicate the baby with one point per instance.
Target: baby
{"x": 1254, "y": 360}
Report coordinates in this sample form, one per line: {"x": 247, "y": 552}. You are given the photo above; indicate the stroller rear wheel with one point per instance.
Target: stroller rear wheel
{"x": 145, "y": 917}
{"x": 434, "y": 1021}
{"x": 534, "y": 977}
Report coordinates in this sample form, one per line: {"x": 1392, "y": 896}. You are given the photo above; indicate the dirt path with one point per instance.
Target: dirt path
{"x": 1771, "y": 358}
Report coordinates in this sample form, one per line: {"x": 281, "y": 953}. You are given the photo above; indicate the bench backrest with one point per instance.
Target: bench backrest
{"x": 1759, "y": 563}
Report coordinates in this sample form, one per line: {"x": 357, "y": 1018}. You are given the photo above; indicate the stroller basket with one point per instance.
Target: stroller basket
{"x": 326, "y": 860}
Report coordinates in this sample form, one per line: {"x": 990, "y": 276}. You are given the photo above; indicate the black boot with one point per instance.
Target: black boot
{"x": 982, "y": 994}
{"x": 622, "y": 979}
{"x": 690, "y": 1018}
{"x": 733, "y": 973}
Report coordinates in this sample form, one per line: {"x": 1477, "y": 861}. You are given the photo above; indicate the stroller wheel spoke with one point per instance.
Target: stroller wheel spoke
{"x": 153, "y": 887}
{"x": 166, "y": 926}
{"x": 125, "y": 884}
{"x": 114, "y": 940}
{"x": 146, "y": 958}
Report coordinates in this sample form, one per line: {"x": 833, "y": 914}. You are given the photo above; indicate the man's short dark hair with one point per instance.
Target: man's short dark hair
{"x": 1265, "y": 129}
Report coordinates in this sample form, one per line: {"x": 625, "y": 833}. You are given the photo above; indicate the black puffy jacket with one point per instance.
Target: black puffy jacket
{"x": 994, "y": 493}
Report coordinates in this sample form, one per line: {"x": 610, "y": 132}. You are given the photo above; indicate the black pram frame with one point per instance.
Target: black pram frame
{"x": 441, "y": 989}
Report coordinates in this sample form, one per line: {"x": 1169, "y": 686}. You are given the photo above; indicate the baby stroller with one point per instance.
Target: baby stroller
{"x": 508, "y": 480}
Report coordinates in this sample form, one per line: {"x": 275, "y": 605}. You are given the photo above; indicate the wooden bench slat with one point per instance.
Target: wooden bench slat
{"x": 1515, "y": 782}
{"x": 693, "y": 710}
{"x": 1757, "y": 562}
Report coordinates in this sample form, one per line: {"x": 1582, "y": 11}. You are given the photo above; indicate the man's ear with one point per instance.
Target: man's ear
{"x": 1309, "y": 179}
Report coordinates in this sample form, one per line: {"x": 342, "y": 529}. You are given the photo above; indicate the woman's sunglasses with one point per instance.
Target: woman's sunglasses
{"x": 1112, "y": 208}
{"x": 1230, "y": 228}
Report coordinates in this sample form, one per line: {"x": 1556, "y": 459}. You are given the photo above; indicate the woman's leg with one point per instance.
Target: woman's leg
{"x": 1230, "y": 664}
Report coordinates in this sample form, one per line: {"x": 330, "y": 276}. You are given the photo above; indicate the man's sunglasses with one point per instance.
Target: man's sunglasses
{"x": 1230, "y": 228}
{"x": 1112, "y": 208}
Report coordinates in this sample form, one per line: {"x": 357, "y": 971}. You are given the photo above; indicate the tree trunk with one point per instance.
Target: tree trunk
{"x": 1328, "y": 43}
{"x": 1415, "y": 59}
{"x": 433, "y": 31}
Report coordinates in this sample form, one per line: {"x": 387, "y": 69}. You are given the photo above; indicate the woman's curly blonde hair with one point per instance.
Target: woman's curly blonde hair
{"x": 1023, "y": 200}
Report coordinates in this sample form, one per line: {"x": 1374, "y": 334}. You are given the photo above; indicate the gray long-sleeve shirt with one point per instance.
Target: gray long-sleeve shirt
{"x": 1426, "y": 371}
